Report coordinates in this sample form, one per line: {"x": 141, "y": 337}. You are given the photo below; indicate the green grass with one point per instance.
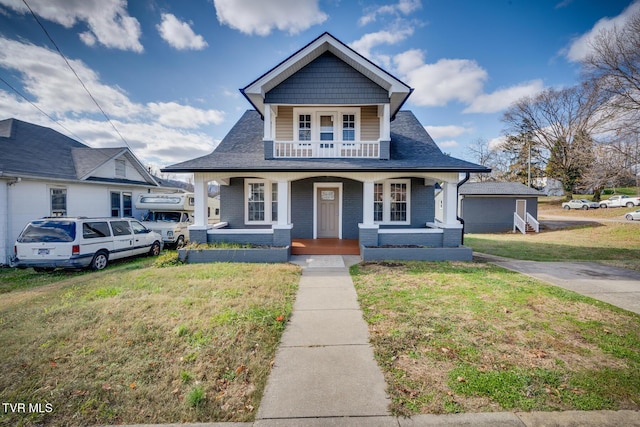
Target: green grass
{"x": 471, "y": 337}
{"x": 140, "y": 344}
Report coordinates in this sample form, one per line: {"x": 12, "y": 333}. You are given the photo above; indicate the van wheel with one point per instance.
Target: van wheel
{"x": 99, "y": 261}
{"x": 630, "y": 205}
{"x": 180, "y": 242}
{"x": 155, "y": 249}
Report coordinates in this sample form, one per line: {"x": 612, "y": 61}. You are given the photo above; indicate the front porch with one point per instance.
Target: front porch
{"x": 325, "y": 247}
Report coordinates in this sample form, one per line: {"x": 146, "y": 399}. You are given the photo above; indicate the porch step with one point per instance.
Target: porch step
{"x": 325, "y": 247}
{"x": 529, "y": 228}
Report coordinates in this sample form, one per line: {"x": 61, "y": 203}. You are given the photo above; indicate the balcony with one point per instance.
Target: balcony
{"x": 326, "y": 149}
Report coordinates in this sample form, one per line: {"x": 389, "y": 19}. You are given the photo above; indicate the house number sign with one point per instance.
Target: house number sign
{"x": 328, "y": 195}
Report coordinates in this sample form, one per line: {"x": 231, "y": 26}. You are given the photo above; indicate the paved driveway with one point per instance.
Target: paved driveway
{"x": 617, "y": 286}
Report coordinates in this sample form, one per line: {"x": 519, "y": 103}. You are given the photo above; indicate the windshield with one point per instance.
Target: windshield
{"x": 162, "y": 216}
{"x": 48, "y": 231}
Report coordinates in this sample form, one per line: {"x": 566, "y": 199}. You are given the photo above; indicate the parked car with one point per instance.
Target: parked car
{"x": 619, "y": 201}
{"x": 579, "y": 204}
{"x": 50, "y": 243}
{"x": 633, "y": 215}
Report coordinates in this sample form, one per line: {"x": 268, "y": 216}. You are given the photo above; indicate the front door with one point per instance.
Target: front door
{"x": 521, "y": 208}
{"x": 328, "y": 212}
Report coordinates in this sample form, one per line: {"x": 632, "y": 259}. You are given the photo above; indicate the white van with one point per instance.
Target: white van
{"x": 50, "y": 243}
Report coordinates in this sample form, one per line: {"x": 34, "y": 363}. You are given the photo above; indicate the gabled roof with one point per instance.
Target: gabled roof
{"x": 256, "y": 90}
{"x": 29, "y": 150}
{"x": 497, "y": 189}
{"x": 412, "y": 149}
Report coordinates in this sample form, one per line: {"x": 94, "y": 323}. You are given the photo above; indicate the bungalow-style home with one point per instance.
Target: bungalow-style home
{"x": 44, "y": 173}
{"x": 494, "y": 207}
{"x": 327, "y": 155}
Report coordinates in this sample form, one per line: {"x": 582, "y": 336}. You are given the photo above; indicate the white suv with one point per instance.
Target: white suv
{"x": 50, "y": 243}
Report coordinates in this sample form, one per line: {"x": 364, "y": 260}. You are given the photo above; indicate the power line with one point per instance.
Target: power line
{"x": 76, "y": 74}
{"x": 40, "y": 109}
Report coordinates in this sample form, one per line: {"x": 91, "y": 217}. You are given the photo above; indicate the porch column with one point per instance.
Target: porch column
{"x": 385, "y": 125}
{"x": 367, "y": 203}
{"x": 283, "y": 202}
{"x": 267, "y": 123}
{"x": 201, "y": 195}
{"x": 450, "y": 203}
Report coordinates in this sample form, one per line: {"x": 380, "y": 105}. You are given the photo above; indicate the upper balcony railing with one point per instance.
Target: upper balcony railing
{"x": 327, "y": 149}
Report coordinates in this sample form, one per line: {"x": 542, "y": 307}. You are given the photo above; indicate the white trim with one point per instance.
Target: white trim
{"x": 315, "y": 112}
{"x": 240, "y": 231}
{"x": 268, "y": 190}
{"x": 316, "y": 186}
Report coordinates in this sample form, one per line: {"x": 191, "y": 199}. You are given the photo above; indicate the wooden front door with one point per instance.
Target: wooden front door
{"x": 328, "y": 212}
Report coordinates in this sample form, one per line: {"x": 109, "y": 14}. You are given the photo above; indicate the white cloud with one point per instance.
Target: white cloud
{"x": 172, "y": 134}
{"x": 367, "y": 42}
{"x": 448, "y": 144}
{"x": 404, "y": 7}
{"x": 108, "y": 20}
{"x": 496, "y": 143}
{"x": 261, "y": 17}
{"x": 439, "y": 83}
{"x": 581, "y": 46}
{"x": 184, "y": 116}
{"x": 446, "y": 131}
{"x": 503, "y": 98}
{"x": 179, "y": 34}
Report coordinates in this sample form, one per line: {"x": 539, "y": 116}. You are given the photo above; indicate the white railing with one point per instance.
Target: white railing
{"x": 533, "y": 223}
{"x": 326, "y": 149}
{"x": 519, "y": 223}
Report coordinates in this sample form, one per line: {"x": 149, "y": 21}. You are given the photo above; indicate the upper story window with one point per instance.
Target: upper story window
{"x": 342, "y": 124}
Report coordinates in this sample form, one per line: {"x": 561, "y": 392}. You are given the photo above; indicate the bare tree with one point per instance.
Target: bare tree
{"x": 483, "y": 155}
{"x": 561, "y": 124}
{"x": 614, "y": 63}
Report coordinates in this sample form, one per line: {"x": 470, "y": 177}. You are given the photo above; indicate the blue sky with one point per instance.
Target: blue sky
{"x": 167, "y": 73}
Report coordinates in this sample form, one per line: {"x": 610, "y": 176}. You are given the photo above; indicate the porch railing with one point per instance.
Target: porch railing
{"x": 533, "y": 223}
{"x": 326, "y": 149}
{"x": 519, "y": 224}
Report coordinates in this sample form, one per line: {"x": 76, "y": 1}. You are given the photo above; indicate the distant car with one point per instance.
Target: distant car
{"x": 633, "y": 215}
{"x": 579, "y": 204}
{"x": 50, "y": 243}
{"x": 619, "y": 201}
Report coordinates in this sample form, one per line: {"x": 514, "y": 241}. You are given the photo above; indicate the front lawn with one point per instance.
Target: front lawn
{"x": 140, "y": 344}
{"x": 472, "y": 337}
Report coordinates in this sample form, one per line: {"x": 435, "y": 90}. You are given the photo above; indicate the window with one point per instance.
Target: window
{"x": 120, "y": 228}
{"x": 121, "y": 204}
{"x": 121, "y": 168}
{"x": 262, "y": 201}
{"x": 304, "y": 127}
{"x": 348, "y": 127}
{"x": 391, "y": 201}
{"x": 58, "y": 202}
{"x": 93, "y": 230}
{"x": 341, "y": 124}
{"x": 138, "y": 228}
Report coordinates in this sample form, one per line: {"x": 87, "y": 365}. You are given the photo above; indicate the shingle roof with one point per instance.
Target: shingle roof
{"x": 242, "y": 149}
{"x": 497, "y": 189}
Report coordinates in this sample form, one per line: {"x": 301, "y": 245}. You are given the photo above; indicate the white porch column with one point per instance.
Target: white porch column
{"x": 450, "y": 203}
{"x": 201, "y": 195}
{"x": 283, "y": 202}
{"x": 367, "y": 203}
{"x": 385, "y": 126}
{"x": 267, "y": 123}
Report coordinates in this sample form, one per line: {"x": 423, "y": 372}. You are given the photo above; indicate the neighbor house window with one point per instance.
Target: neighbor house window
{"x": 391, "y": 201}
{"x": 262, "y": 201}
{"x": 121, "y": 168}
{"x": 121, "y": 204}
{"x": 58, "y": 202}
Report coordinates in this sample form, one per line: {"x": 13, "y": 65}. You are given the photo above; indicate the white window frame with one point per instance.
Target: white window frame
{"x": 56, "y": 212}
{"x": 268, "y": 201}
{"x": 315, "y": 114}
{"x": 386, "y": 202}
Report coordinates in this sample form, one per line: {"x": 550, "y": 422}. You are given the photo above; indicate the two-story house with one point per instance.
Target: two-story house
{"x": 327, "y": 153}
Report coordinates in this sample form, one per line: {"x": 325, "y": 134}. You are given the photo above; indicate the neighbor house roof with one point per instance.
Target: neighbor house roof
{"x": 29, "y": 150}
{"x": 497, "y": 189}
{"x": 242, "y": 149}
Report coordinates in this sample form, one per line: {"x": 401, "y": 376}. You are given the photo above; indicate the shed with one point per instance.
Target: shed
{"x": 489, "y": 207}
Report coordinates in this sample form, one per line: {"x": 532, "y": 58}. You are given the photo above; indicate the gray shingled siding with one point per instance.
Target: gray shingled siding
{"x": 422, "y": 205}
{"x": 327, "y": 80}
{"x": 493, "y": 214}
{"x": 198, "y": 236}
{"x": 232, "y": 205}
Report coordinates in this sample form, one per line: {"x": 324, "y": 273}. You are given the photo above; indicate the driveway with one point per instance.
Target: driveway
{"x": 616, "y": 286}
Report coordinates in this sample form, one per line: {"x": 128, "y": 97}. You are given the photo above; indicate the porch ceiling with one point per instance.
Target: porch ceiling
{"x": 224, "y": 178}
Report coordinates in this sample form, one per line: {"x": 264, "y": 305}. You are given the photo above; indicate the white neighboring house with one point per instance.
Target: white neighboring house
{"x": 44, "y": 173}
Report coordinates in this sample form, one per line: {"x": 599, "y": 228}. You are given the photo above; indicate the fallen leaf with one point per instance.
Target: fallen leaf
{"x": 240, "y": 368}
{"x": 280, "y": 318}
{"x": 132, "y": 385}
{"x": 53, "y": 363}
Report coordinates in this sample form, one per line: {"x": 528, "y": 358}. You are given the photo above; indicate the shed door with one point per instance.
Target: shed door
{"x": 521, "y": 208}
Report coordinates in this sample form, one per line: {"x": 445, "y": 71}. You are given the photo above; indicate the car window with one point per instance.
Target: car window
{"x": 93, "y": 230}
{"x": 48, "y": 231}
{"x": 138, "y": 228}
{"x": 120, "y": 228}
